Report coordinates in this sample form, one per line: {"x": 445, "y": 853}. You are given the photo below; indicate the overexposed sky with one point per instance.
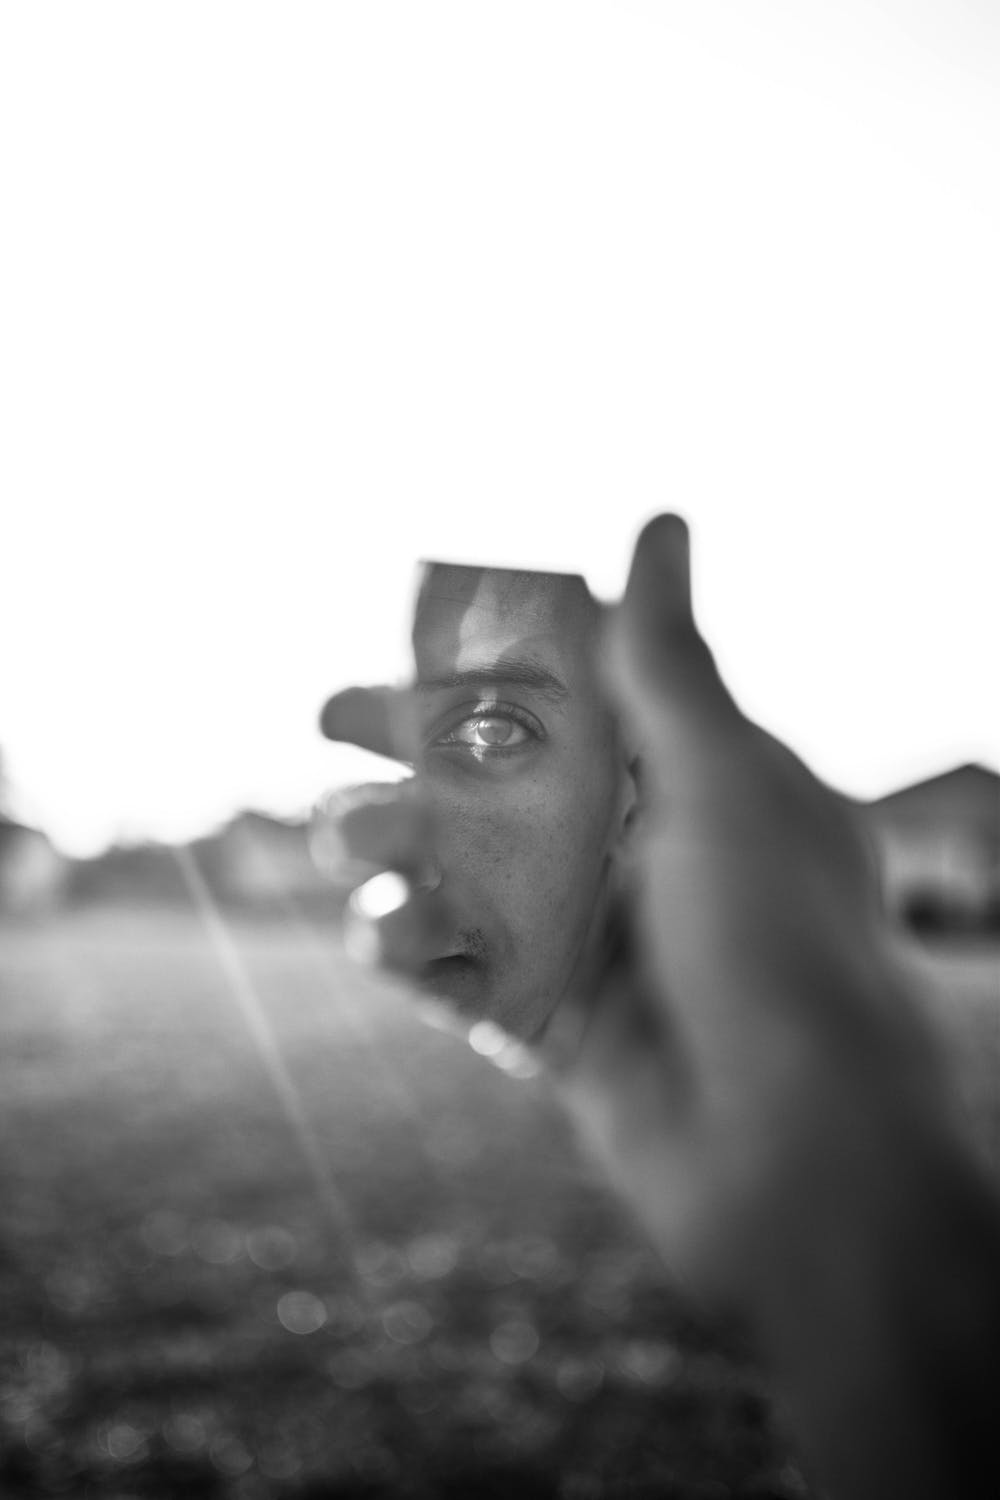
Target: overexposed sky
{"x": 292, "y": 295}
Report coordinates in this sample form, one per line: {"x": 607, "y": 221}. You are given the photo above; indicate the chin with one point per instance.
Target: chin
{"x": 525, "y": 1019}
{"x": 470, "y": 989}
{"x": 521, "y": 1015}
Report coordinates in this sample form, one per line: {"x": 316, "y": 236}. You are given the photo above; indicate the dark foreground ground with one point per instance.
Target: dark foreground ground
{"x": 366, "y": 1264}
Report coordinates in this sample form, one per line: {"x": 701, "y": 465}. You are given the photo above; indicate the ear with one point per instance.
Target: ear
{"x": 629, "y": 810}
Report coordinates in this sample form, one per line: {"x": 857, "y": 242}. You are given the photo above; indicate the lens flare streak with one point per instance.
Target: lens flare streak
{"x": 248, "y": 1003}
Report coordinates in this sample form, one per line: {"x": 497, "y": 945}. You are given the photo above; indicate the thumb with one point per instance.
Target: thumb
{"x": 658, "y": 667}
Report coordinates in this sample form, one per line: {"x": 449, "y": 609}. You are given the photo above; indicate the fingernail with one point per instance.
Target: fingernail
{"x": 380, "y": 896}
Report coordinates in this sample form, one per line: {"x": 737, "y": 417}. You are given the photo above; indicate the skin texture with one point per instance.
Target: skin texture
{"x": 526, "y": 783}
{"x": 746, "y": 1060}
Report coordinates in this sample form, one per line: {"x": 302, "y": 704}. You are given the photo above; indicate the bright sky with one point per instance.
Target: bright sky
{"x": 292, "y": 295}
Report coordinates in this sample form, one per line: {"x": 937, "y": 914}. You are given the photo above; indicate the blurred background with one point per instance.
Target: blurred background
{"x": 293, "y": 298}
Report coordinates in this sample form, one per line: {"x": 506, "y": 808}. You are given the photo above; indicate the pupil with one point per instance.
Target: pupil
{"x": 494, "y": 731}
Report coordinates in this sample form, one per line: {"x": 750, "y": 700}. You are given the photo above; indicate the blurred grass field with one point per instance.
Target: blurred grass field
{"x": 455, "y": 1307}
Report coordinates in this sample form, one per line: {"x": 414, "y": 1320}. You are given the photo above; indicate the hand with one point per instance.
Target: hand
{"x": 372, "y": 842}
{"x": 757, "y": 1077}
{"x": 745, "y": 990}
{"x": 753, "y": 1033}
{"x": 743, "y": 1051}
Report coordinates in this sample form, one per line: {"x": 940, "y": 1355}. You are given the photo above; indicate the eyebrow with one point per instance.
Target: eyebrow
{"x": 507, "y": 672}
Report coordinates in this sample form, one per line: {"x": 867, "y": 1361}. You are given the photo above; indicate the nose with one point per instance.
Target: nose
{"x": 428, "y": 876}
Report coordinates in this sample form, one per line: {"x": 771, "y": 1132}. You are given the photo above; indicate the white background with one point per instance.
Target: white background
{"x": 295, "y": 294}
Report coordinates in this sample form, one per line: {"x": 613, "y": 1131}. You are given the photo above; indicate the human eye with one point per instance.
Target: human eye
{"x": 491, "y": 729}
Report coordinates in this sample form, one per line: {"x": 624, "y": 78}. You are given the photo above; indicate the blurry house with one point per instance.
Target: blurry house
{"x": 254, "y": 860}
{"x": 258, "y": 860}
{"x": 32, "y": 873}
{"x": 141, "y": 874}
{"x": 939, "y": 844}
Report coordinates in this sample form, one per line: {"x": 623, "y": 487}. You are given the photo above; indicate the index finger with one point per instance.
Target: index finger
{"x": 380, "y": 719}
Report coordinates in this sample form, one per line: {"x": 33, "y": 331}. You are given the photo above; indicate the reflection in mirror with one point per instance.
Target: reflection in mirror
{"x": 528, "y": 783}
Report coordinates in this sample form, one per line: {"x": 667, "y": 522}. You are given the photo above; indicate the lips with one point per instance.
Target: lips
{"x": 450, "y": 963}
{"x": 456, "y": 977}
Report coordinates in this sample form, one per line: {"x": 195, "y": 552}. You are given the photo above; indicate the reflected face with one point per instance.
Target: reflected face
{"x": 522, "y": 764}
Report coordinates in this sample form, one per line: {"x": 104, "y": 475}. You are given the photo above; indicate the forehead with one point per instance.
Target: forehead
{"x": 467, "y": 617}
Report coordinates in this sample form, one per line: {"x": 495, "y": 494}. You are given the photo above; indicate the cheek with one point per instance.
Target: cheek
{"x": 529, "y": 853}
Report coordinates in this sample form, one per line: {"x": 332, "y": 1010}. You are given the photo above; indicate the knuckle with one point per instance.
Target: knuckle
{"x": 365, "y": 822}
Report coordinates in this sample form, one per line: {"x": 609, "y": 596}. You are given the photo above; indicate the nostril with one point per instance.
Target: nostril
{"x": 428, "y": 878}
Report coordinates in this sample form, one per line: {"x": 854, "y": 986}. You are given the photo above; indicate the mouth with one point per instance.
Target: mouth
{"x": 449, "y": 963}
{"x": 456, "y": 977}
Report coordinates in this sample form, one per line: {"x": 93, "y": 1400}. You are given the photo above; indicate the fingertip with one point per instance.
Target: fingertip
{"x": 668, "y": 529}
{"x": 657, "y": 665}
{"x": 341, "y": 714}
{"x": 374, "y": 718}
{"x": 380, "y": 896}
{"x": 654, "y": 620}
{"x": 360, "y": 939}
{"x": 659, "y": 582}
{"x": 442, "y": 1016}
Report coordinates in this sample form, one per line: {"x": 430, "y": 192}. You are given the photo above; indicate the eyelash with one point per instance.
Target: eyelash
{"x": 492, "y": 710}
